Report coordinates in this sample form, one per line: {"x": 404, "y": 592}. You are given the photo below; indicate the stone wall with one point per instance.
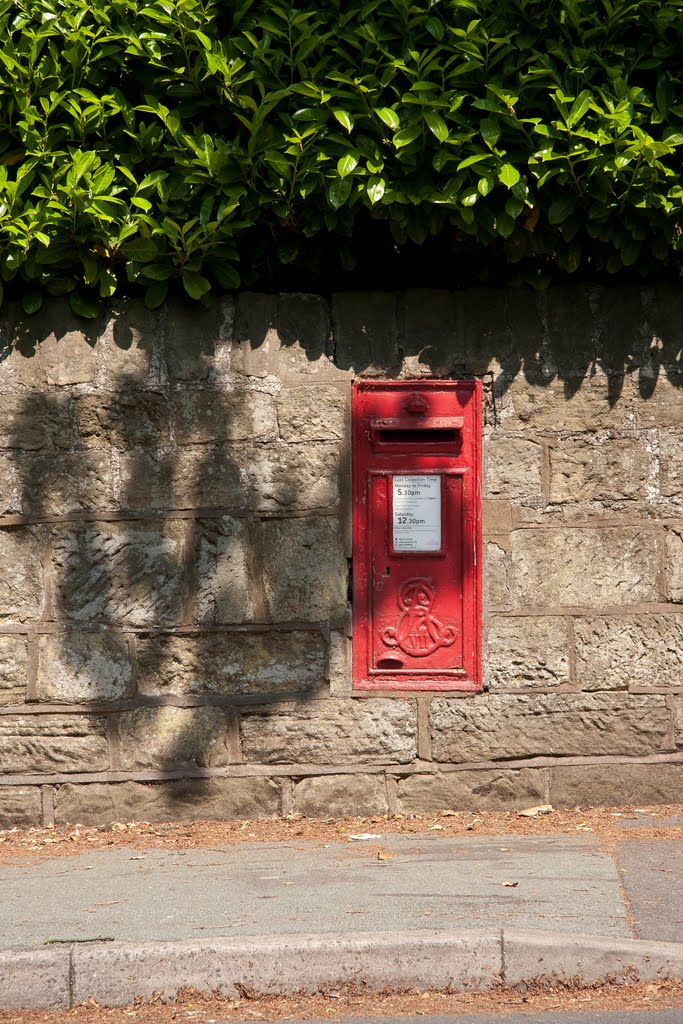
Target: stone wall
{"x": 175, "y": 549}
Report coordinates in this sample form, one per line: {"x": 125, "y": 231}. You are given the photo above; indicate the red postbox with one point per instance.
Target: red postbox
{"x": 417, "y": 535}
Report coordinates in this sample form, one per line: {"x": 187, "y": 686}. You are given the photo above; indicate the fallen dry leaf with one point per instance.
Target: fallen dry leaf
{"x": 533, "y": 812}
{"x": 381, "y": 855}
{"x": 510, "y": 885}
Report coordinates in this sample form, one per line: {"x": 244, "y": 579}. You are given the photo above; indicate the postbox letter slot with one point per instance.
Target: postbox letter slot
{"x": 416, "y": 435}
{"x": 431, "y": 432}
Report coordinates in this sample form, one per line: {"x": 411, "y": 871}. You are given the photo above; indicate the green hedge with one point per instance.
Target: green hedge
{"x": 147, "y": 144}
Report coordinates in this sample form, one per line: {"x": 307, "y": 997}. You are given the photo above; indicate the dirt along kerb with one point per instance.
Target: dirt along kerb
{"x": 607, "y": 824}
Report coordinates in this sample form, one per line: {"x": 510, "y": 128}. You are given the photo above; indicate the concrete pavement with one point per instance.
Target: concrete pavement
{"x": 402, "y": 911}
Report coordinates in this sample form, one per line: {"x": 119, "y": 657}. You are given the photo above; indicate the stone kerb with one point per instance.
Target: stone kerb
{"x": 175, "y": 536}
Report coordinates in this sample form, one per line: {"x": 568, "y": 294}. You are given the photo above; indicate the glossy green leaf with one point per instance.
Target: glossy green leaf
{"x": 508, "y": 175}
{"x": 375, "y": 189}
{"x": 389, "y": 116}
{"x": 195, "y": 284}
{"x": 344, "y": 119}
{"x": 339, "y": 191}
{"x": 84, "y": 306}
{"x": 436, "y": 125}
{"x": 156, "y": 294}
{"x": 347, "y": 165}
{"x": 406, "y": 136}
{"x": 490, "y": 130}
{"x": 32, "y": 300}
{"x": 560, "y": 209}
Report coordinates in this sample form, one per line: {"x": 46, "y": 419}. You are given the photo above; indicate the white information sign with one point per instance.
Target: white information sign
{"x": 417, "y": 513}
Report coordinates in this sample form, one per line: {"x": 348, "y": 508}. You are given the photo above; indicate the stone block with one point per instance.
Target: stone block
{"x": 192, "y": 338}
{"x": 33, "y": 421}
{"x": 65, "y": 347}
{"x": 365, "y": 331}
{"x": 123, "y": 420}
{"x": 525, "y": 652}
{"x": 592, "y": 567}
{"x": 19, "y": 367}
{"x": 124, "y": 572}
{"x": 304, "y": 569}
{"x": 13, "y": 669}
{"x": 642, "y": 650}
{"x": 312, "y": 413}
{"x": 616, "y": 785}
{"x": 575, "y": 405}
{"x": 536, "y": 957}
{"x": 64, "y": 482}
{"x": 53, "y": 743}
{"x": 496, "y": 577}
{"x": 184, "y": 800}
{"x": 551, "y": 724}
{"x": 496, "y": 515}
{"x": 35, "y": 979}
{"x": 203, "y": 417}
{"x": 291, "y": 476}
{"x": 181, "y": 479}
{"x": 488, "y": 340}
{"x": 265, "y": 965}
{"x": 21, "y": 573}
{"x": 377, "y": 731}
{"x": 9, "y": 486}
{"x": 572, "y": 344}
{"x": 671, "y": 463}
{"x": 621, "y": 315}
{"x": 678, "y": 720}
{"x": 78, "y": 667}
{"x": 304, "y": 332}
{"x": 166, "y": 737}
{"x": 20, "y": 806}
{"x": 127, "y": 343}
{"x": 674, "y": 565}
{"x": 590, "y": 470}
{"x": 340, "y": 665}
{"x": 664, "y": 317}
{"x": 494, "y": 790}
{"x": 234, "y": 663}
{"x": 430, "y": 337}
{"x": 254, "y": 346}
{"x": 50, "y": 347}
{"x": 526, "y": 315}
{"x": 148, "y": 480}
{"x": 659, "y": 403}
{"x": 513, "y": 467}
{"x": 224, "y": 571}
{"x": 341, "y": 796}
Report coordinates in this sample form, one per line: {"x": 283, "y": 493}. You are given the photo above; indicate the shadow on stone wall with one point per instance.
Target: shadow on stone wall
{"x": 150, "y": 532}
{"x": 566, "y": 334}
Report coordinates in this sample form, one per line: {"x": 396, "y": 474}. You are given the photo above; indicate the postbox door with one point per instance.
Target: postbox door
{"x": 416, "y": 621}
